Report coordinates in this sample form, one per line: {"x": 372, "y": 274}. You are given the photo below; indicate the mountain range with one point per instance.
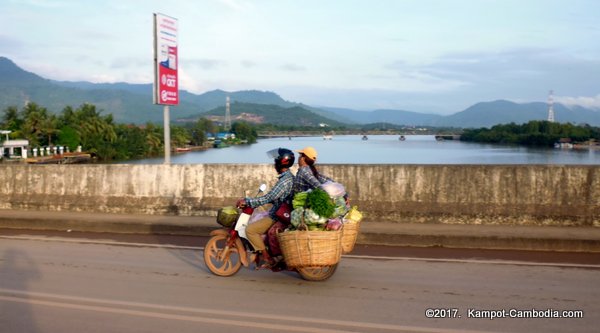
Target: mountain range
{"x": 132, "y": 103}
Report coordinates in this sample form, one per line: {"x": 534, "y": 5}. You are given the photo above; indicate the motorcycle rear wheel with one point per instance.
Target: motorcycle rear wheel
{"x": 317, "y": 273}
{"x": 213, "y": 250}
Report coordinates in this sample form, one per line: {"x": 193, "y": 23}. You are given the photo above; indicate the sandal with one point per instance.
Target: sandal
{"x": 266, "y": 265}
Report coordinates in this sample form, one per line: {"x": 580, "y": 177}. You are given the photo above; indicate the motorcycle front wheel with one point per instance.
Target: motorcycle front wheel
{"x": 317, "y": 273}
{"x": 217, "y": 261}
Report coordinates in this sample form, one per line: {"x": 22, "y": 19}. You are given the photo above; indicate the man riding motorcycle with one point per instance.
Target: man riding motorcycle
{"x": 280, "y": 193}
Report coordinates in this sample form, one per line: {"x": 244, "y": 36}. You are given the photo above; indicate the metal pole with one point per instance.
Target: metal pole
{"x": 167, "y": 135}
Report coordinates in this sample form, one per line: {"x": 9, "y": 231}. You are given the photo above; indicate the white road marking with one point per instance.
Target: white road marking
{"x": 201, "y": 315}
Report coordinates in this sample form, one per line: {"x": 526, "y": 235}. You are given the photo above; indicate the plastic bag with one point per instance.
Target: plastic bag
{"x": 354, "y": 215}
{"x": 333, "y": 189}
{"x": 258, "y": 216}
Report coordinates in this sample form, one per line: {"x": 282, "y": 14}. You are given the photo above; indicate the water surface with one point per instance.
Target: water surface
{"x": 387, "y": 149}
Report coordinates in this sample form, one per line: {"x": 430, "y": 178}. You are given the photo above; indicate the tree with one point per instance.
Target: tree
{"x": 68, "y": 136}
{"x": 50, "y": 128}
{"x": 179, "y": 136}
{"x": 154, "y": 139}
{"x": 131, "y": 142}
{"x": 199, "y": 130}
{"x": 97, "y": 133}
{"x": 11, "y": 120}
{"x": 35, "y": 123}
{"x": 244, "y": 131}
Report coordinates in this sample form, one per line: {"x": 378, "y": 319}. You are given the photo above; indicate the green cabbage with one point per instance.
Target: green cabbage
{"x": 296, "y": 217}
{"x": 299, "y": 199}
{"x": 311, "y": 217}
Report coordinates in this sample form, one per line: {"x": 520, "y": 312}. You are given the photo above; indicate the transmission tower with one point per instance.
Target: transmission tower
{"x": 551, "y": 106}
{"x": 227, "y": 115}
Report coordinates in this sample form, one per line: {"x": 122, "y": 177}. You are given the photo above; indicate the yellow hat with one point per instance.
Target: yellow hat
{"x": 310, "y": 152}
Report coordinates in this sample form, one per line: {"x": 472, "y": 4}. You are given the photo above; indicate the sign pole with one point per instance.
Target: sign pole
{"x": 166, "y": 82}
{"x": 167, "y": 135}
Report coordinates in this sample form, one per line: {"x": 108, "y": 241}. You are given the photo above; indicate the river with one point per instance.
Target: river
{"x": 387, "y": 149}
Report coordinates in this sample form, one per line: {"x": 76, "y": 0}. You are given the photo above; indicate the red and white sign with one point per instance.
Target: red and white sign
{"x": 166, "y": 83}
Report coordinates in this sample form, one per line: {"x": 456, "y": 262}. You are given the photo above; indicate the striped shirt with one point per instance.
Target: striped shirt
{"x": 281, "y": 192}
{"x": 305, "y": 180}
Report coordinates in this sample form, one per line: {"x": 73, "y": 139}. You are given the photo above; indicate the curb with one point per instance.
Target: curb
{"x": 530, "y": 238}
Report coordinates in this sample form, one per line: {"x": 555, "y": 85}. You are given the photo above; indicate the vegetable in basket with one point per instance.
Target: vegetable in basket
{"x": 227, "y": 215}
{"x": 311, "y": 217}
{"x": 333, "y": 224}
{"x": 340, "y": 206}
{"x": 296, "y": 217}
{"x": 299, "y": 199}
{"x": 320, "y": 202}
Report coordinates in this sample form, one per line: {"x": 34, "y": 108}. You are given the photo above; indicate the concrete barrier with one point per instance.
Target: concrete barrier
{"x": 449, "y": 194}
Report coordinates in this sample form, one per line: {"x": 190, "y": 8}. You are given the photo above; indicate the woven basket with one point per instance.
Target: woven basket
{"x": 349, "y": 234}
{"x": 311, "y": 248}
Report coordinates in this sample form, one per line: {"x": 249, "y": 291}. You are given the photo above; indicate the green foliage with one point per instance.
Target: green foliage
{"x": 180, "y": 136}
{"x": 244, "y": 131}
{"x": 320, "y": 202}
{"x": 68, "y": 137}
{"x": 199, "y": 130}
{"x": 533, "y": 133}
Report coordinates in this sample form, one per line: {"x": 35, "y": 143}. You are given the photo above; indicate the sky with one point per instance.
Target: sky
{"x": 429, "y": 56}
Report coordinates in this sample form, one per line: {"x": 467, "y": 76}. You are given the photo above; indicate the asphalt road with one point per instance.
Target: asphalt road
{"x": 104, "y": 283}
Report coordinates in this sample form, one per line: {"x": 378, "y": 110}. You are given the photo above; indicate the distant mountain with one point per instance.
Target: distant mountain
{"x": 132, "y": 103}
{"x": 129, "y": 103}
{"x": 398, "y": 117}
{"x": 488, "y": 114}
{"x": 18, "y": 87}
{"x": 268, "y": 113}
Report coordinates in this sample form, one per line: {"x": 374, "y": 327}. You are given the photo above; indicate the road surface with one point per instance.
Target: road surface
{"x": 56, "y": 284}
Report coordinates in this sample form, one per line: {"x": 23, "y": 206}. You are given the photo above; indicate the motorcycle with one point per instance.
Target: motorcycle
{"x": 228, "y": 249}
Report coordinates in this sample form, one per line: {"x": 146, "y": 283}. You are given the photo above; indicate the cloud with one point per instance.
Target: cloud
{"x": 45, "y": 4}
{"x": 524, "y": 74}
{"x": 403, "y": 76}
{"x": 9, "y": 45}
{"x": 131, "y": 62}
{"x": 205, "y": 63}
{"x": 248, "y": 64}
{"x": 293, "y": 68}
{"x": 588, "y": 102}
{"x": 235, "y": 5}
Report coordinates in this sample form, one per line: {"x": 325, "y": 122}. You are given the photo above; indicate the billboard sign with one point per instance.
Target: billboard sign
{"x": 166, "y": 83}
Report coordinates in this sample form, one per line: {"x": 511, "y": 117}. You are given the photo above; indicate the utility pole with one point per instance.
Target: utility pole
{"x": 551, "y": 106}
{"x": 227, "y": 115}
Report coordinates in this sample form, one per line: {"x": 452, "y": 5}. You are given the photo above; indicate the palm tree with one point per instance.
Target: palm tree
{"x": 33, "y": 126}
{"x": 12, "y": 119}
{"x": 153, "y": 139}
{"x": 50, "y": 128}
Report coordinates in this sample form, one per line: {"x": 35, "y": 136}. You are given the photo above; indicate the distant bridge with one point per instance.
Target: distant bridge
{"x": 264, "y": 135}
